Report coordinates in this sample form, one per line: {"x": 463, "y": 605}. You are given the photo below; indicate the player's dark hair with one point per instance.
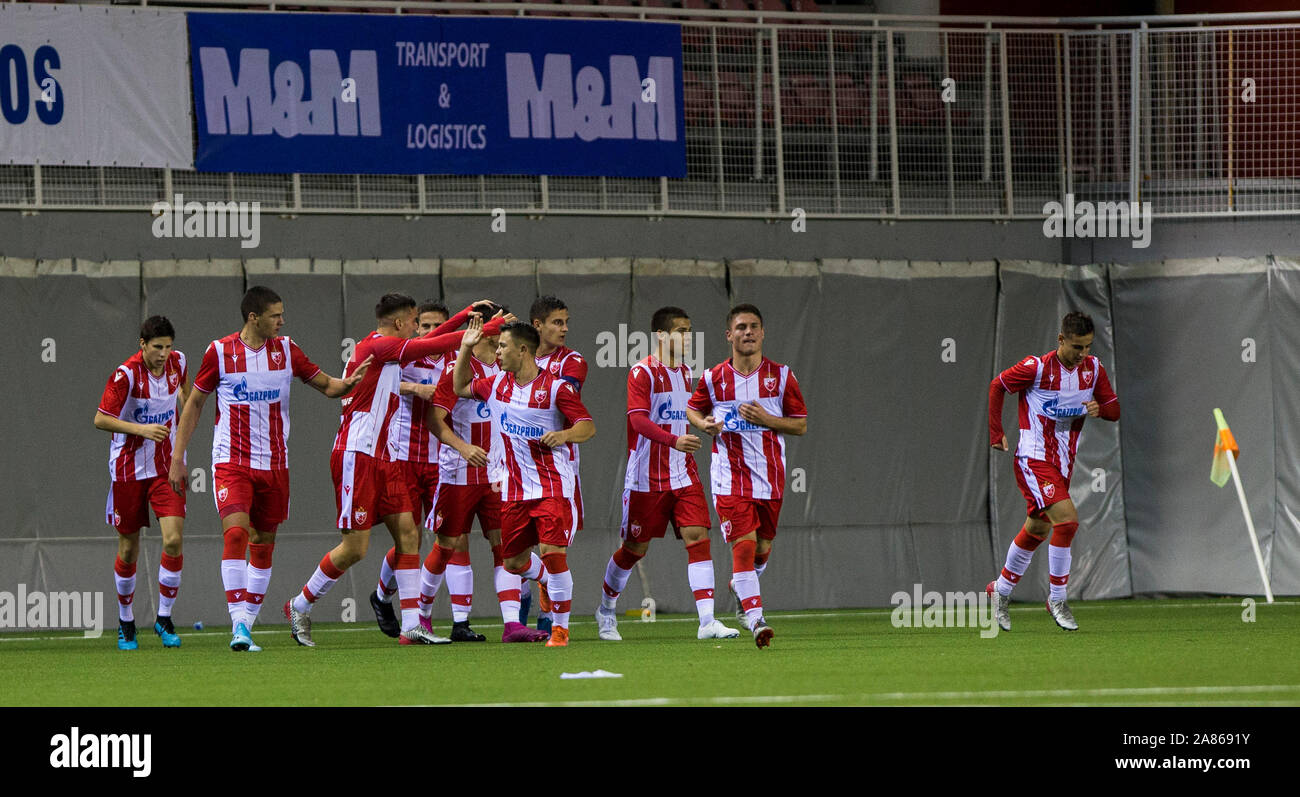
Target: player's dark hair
{"x": 256, "y": 300}
{"x": 743, "y": 308}
{"x": 523, "y": 333}
{"x": 391, "y": 303}
{"x": 543, "y": 306}
{"x": 662, "y": 320}
{"x": 432, "y": 306}
{"x": 486, "y": 310}
{"x": 157, "y": 326}
{"x": 1076, "y": 324}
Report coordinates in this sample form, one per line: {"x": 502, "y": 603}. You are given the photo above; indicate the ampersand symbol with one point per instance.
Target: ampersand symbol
{"x": 444, "y": 96}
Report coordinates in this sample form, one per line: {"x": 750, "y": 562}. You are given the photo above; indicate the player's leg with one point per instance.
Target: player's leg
{"x": 636, "y": 529}
{"x": 699, "y": 574}
{"x": 518, "y": 536}
{"x": 233, "y": 495}
{"x": 406, "y": 540}
{"x": 460, "y": 590}
{"x": 1036, "y": 484}
{"x": 381, "y": 600}
{"x": 269, "y": 508}
{"x": 123, "y": 511}
{"x": 355, "y": 497}
{"x": 504, "y": 583}
{"x": 1065, "y": 522}
{"x": 128, "y": 549}
{"x": 557, "y": 522}
{"x": 739, "y": 520}
{"x": 169, "y": 576}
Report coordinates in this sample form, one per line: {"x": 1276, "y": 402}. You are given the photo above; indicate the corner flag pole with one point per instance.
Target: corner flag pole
{"x": 1225, "y": 448}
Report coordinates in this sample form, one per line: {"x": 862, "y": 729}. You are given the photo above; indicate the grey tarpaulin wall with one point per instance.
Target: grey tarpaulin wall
{"x": 1196, "y": 335}
{"x": 1032, "y": 298}
{"x": 894, "y": 358}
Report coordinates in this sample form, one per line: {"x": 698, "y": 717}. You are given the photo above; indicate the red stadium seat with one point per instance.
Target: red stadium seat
{"x": 851, "y": 102}
{"x": 698, "y": 100}
{"x": 736, "y": 98}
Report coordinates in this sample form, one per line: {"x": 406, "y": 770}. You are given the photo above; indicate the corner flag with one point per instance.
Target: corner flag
{"x": 1220, "y": 472}
{"x": 1225, "y": 465}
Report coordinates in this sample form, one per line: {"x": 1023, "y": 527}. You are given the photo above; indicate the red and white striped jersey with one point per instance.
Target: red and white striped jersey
{"x": 521, "y": 414}
{"x": 369, "y": 408}
{"x": 1051, "y": 405}
{"x": 136, "y": 395}
{"x": 660, "y": 392}
{"x": 470, "y": 420}
{"x": 252, "y": 387}
{"x": 410, "y": 439}
{"x": 568, "y": 365}
{"x": 748, "y": 460}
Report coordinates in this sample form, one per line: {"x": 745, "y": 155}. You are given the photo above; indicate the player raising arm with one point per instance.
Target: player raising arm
{"x": 534, "y": 415}
{"x": 1058, "y": 391}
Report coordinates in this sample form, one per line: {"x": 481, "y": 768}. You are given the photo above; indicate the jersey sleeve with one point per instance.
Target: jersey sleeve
{"x": 115, "y": 393}
{"x": 700, "y": 401}
{"x": 206, "y": 380}
{"x": 792, "y": 406}
{"x": 574, "y": 371}
{"x": 1105, "y": 396}
{"x": 638, "y": 391}
{"x": 303, "y": 367}
{"x": 482, "y": 387}
{"x": 445, "y": 394}
{"x": 567, "y": 401}
{"x": 1019, "y": 376}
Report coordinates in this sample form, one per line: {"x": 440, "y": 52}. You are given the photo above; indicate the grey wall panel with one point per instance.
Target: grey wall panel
{"x": 1033, "y": 299}
{"x": 364, "y": 281}
{"x": 512, "y": 283}
{"x": 90, "y": 313}
{"x": 1180, "y": 331}
{"x": 1284, "y": 344}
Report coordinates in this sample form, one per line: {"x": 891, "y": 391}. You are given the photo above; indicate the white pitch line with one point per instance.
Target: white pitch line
{"x": 782, "y": 615}
{"x": 914, "y": 696}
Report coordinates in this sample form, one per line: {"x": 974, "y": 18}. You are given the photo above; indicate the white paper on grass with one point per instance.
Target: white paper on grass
{"x": 565, "y": 676}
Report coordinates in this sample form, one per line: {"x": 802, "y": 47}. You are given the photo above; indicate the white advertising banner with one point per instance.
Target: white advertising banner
{"x": 88, "y": 85}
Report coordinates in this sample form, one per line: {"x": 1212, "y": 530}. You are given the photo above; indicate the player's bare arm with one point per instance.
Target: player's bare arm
{"x": 754, "y": 413}
{"x": 687, "y": 443}
{"x": 436, "y": 418}
{"x": 156, "y": 432}
{"x": 462, "y": 374}
{"x": 705, "y": 423}
{"x": 418, "y": 390}
{"x": 190, "y": 413}
{"x": 1001, "y": 445}
{"x": 333, "y": 387}
{"x": 580, "y": 432}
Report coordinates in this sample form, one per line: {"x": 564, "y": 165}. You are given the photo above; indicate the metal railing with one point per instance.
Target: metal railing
{"x": 864, "y": 116}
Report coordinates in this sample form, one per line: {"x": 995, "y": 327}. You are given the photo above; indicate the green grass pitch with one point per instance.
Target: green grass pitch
{"x": 1127, "y": 652}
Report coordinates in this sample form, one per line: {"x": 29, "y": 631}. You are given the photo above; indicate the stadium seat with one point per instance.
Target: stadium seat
{"x": 736, "y": 96}
{"x": 698, "y": 100}
{"x": 805, "y": 100}
{"x": 851, "y": 102}
{"x": 499, "y": 12}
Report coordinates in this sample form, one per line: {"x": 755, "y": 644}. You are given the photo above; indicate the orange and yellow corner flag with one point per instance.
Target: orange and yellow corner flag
{"x": 1223, "y": 443}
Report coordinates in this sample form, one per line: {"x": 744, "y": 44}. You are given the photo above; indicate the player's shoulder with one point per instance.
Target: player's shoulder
{"x": 176, "y": 359}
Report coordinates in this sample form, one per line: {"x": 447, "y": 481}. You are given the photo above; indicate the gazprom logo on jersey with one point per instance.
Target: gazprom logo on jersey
{"x": 242, "y": 393}
{"x": 576, "y": 102}
{"x": 666, "y": 413}
{"x": 483, "y": 411}
{"x": 1053, "y": 409}
{"x": 732, "y": 422}
{"x": 519, "y": 429}
{"x": 141, "y": 415}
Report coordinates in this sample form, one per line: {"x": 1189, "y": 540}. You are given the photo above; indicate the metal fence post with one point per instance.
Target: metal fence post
{"x": 717, "y": 118}
{"x": 896, "y": 200}
{"x": 1134, "y": 109}
{"x": 777, "y": 122}
{"x": 835, "y": 123}
{"x": 1006, "y": 122}
{"x": 1068, "y": 132}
